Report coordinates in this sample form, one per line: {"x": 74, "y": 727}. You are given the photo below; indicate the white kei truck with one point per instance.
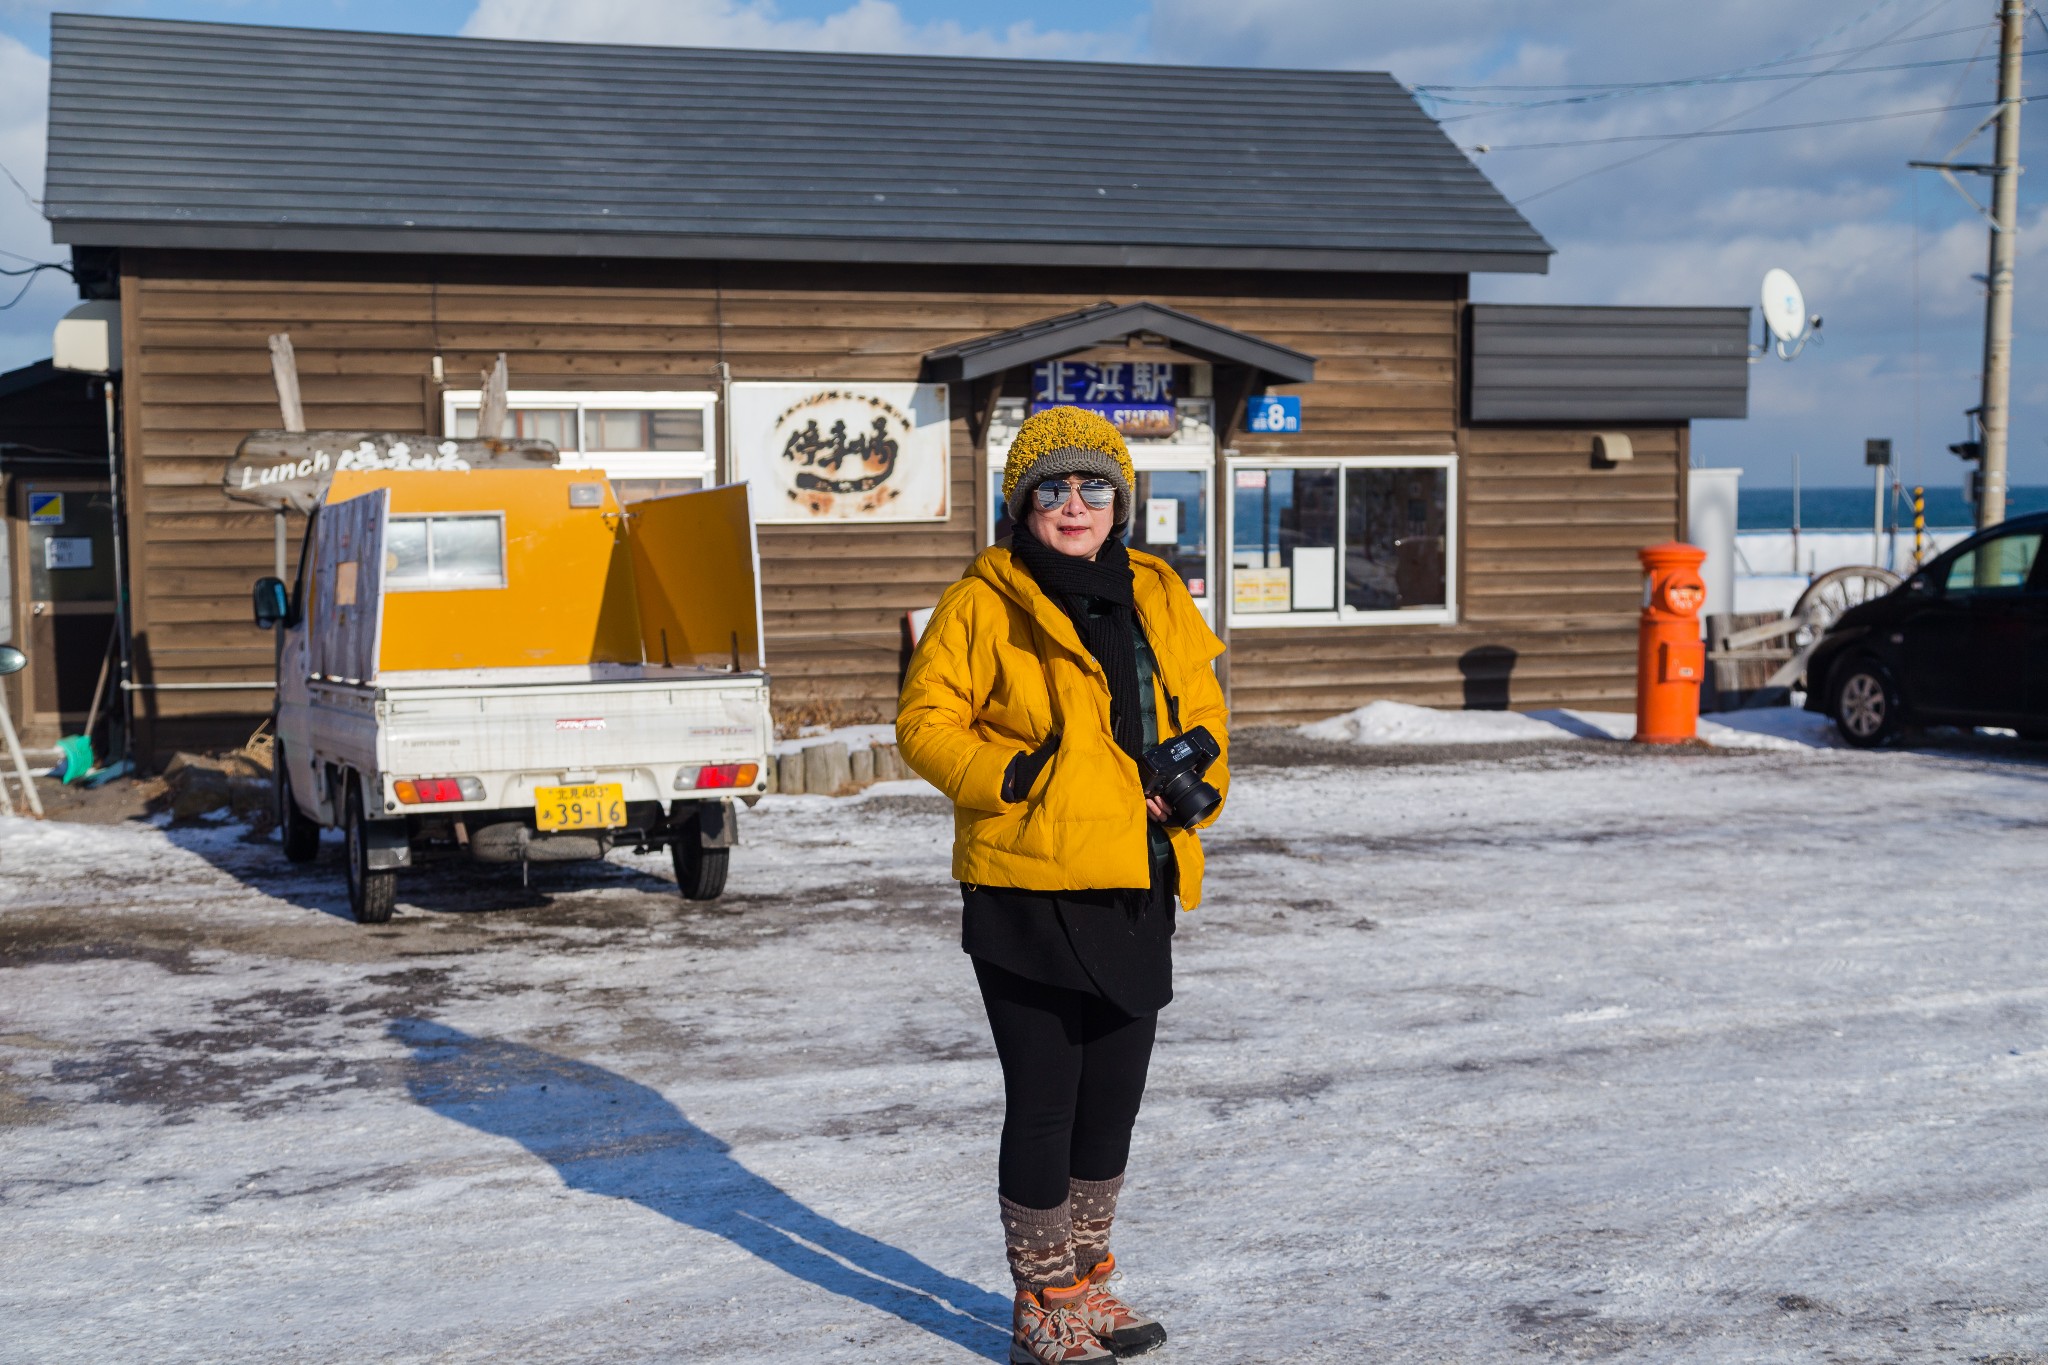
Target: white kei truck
{"x": 508, "y": 665}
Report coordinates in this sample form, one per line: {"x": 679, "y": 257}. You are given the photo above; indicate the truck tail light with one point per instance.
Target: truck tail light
{"x": 717, "y": 775}
{"x": 428, "y": 791}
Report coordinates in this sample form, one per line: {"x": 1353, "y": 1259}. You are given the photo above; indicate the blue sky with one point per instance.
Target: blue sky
{"x": 1886, "y": 254}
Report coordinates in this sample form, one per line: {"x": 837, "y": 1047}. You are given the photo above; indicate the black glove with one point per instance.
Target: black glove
{"x": 1025, "y": 768}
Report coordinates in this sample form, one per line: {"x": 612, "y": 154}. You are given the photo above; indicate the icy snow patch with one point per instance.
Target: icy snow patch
{"x": 1393, "y": 722}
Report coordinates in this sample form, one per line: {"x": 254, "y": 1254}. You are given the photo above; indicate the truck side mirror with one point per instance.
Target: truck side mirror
{"x": 12, "y": 660}
{"x": 272, "y": 606}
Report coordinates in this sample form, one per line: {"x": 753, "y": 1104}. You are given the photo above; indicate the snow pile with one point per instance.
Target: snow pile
{"x": 1770, "y": 727}
{"x": 852, "y": 736}
{"x": 1393, "y": 722}
{"x": 1764, "y": 727}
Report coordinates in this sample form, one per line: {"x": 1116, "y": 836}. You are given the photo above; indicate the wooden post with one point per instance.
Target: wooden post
{"x": 495, "y": 409}
{"x": 21, "y": 771}
{"x": 284, "y": 368}
{"x": 1231, "y": 387}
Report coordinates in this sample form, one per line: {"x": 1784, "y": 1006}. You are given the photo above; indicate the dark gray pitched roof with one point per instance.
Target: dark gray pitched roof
{"x": 1537, "y": 362}
{"x": 1049, "y": 338}
{"x": 184, "y": 134}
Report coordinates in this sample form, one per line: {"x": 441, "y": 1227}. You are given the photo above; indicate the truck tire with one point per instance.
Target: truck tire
{"x": 371, "y": 895}
{"x": 700, "y": 872}
{"x": 1865, "y": 704}
{"x": 299, "y": 834}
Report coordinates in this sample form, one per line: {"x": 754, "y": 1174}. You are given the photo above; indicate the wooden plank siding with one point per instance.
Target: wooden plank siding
{"x": 1547, "y": 541}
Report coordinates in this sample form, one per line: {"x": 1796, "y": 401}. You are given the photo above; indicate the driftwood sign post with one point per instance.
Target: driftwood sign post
{"x": 284, "y": 371}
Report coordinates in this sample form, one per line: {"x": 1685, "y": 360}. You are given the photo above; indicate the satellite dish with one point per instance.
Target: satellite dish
{"x": 1784, "y": 305}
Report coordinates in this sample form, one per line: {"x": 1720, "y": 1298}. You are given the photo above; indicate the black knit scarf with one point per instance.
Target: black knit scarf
{"x": 1083, "y": 588}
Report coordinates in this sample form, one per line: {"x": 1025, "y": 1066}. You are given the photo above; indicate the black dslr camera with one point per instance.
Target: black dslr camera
{"x": 1173, "y": 772}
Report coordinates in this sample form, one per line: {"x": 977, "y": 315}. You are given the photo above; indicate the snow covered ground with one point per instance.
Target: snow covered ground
{"x": 1573, "y": 1051}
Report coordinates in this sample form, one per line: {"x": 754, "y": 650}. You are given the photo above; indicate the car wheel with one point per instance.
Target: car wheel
{"x": 300, "y": 835}
{"x": 371, "y": 895}
{"x": 700, "y": 872}
{"x": 1866, "y": 705}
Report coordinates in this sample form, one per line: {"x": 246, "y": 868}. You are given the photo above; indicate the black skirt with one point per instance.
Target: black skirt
{"x": 1103, "y": 943}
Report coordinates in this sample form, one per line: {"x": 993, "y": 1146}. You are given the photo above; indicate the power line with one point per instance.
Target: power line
{"x": 33, "y": 273}
{"x": 1735, "y": 74}
{"x": 1804, "y": 52}
{"x": 1734, "y": 132}
{"x": 1738, "y": 114}
{"x": 1501, "y": 106}
{"x": 33, "y": 202}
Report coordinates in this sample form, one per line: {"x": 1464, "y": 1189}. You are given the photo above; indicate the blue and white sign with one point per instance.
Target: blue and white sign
{"x": 1072, "y": 381}
{"x": 1156, "y": 420}
{"x": 1272, "y": 412}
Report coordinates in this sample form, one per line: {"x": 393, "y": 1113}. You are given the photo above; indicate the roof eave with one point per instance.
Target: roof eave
{"x": 682, "y": 246}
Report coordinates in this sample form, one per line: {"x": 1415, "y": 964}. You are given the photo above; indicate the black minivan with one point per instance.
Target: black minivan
{"x": 1964, "y": 641}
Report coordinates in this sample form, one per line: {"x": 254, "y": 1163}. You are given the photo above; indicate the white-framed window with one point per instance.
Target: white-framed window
{"x": 1173, "y": 515}
{"x": 444, "y": 553}
{"x": 649, "y": 444}
{"x": 1365, "y": 540}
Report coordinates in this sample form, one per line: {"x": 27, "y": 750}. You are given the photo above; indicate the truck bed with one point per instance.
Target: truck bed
{"x": 516, "y": 730}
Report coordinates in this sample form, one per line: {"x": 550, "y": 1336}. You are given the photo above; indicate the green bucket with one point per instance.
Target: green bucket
{"x": 78, "y": 761}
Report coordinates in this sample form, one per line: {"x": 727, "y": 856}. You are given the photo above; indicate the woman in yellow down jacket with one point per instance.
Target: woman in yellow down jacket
{"x": 1045, "y": 672}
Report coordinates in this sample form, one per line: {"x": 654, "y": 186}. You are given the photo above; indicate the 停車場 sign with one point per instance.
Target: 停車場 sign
{"x": 1273, "y": 412}
{"x": 843, "y": 451}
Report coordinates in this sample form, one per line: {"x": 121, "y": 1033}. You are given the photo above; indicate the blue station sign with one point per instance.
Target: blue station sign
{"x": 1273, "y": 412}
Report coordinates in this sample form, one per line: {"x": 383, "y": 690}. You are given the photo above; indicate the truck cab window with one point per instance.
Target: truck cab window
{"x": 424, "y": 554}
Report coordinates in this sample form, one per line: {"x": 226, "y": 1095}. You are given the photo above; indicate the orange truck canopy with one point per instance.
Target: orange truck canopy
{"x": 433, "y": 571}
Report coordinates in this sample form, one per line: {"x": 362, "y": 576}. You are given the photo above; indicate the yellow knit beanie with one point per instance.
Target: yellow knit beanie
{"x": 1062, "y": 441}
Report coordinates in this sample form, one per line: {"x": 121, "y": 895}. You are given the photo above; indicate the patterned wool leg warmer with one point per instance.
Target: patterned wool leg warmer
{"x": 1040, "y": 1245}
{"x": 1094, "y": 1208}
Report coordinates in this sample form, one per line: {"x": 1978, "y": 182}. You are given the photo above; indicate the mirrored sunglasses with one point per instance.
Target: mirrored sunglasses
{"x": 1053, "y": 494}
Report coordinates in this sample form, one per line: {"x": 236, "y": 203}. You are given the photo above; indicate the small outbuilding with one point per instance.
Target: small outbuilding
{"x": 57, "y": 571}
{"x": 846, "y": 280}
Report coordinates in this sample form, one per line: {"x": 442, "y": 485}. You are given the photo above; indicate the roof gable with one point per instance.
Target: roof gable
{"x": 184, "y": 134}
{"x": 1051, "y": 338}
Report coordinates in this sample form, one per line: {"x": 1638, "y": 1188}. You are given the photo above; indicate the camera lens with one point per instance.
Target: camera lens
{"x": 1190, "y": 799}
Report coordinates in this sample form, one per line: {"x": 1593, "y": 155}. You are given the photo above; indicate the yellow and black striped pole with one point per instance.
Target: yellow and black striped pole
{"x": 1919, "y": 524}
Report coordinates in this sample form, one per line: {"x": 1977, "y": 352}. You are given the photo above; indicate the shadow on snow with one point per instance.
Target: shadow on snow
{"x": 611, "y": 1136}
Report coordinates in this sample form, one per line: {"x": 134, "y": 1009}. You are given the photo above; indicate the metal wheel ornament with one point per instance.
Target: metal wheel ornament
{"x": 1837, "y": 590}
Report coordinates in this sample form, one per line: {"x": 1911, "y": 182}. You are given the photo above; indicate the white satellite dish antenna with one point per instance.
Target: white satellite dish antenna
{"x": 1784, "y": 305}
{"x": 1784, "y": 308}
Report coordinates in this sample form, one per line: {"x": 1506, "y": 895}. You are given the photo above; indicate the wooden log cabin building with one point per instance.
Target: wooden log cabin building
{"x": 1375, "y": 487}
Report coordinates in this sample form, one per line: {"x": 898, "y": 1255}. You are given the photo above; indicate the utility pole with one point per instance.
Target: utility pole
{"x": 2005, "y": 193}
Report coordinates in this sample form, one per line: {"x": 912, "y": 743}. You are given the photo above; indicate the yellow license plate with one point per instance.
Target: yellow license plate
{"x": 598, "y": 806}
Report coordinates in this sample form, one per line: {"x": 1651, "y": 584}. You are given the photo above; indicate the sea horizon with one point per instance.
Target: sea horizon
{"x": 1849, "y": 508}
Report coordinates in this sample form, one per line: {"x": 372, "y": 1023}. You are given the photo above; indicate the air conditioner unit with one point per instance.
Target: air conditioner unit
{"x": 88, "y": 338}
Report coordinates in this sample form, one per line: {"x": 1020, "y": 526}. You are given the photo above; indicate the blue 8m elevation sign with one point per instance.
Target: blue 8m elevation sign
{"x": 1271, "y": 412}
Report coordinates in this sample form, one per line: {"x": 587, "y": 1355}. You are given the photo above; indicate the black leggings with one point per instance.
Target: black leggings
{"x": 1073, "y": 1077}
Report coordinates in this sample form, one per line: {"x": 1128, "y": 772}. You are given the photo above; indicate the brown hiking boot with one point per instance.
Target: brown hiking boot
{"x": 1048, "y": 1331}
{"x": 1117, "y": 1325}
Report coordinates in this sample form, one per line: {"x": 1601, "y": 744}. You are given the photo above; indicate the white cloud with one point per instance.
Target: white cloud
{"x": 863, "y": 26}
{"x": 1699, "y": 221}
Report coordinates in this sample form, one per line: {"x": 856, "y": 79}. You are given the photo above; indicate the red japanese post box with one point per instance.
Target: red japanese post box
{"x": 1671, "y": 661}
